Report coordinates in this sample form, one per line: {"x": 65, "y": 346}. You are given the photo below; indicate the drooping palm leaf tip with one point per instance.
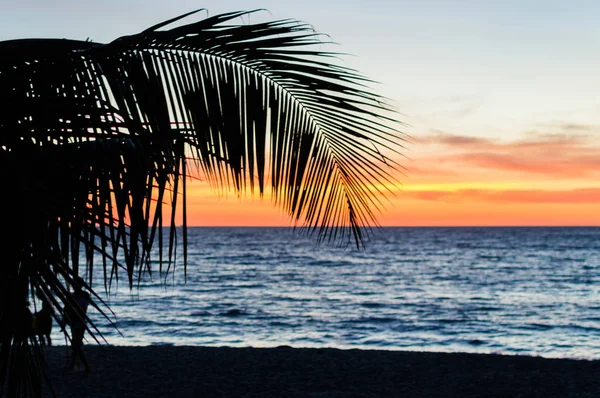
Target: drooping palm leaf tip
{"x": 95, "y": 138}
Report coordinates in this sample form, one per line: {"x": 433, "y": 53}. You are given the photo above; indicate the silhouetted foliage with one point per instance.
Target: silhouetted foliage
{"x": 95, "y": 139}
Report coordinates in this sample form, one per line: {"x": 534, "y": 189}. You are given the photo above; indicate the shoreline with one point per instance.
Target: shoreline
{"x": 192, "y": 371}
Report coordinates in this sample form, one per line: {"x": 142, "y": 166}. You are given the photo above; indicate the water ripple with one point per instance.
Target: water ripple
{"x": 527, "y": 291}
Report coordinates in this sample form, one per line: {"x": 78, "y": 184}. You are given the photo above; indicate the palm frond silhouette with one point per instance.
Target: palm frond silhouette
{"x": 97, "y": 142}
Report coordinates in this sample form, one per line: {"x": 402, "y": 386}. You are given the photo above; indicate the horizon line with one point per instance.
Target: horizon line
{"x": 397, "y": 226}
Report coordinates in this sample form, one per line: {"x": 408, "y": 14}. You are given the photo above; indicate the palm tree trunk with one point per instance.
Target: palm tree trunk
{"x": 17, "y": 362}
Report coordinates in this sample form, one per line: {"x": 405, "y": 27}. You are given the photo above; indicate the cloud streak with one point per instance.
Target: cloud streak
{"x": 562, "y": 155}
{"x": 574, "y": 196}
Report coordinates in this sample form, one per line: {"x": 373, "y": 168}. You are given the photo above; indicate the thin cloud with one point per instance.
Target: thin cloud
{"x": 533, "y": 139}
{"x": 552, "y": 154}
{"x": 574, "y": 196}
{"x": 452, "y": 140}
{"x": 565, "y": 166}
{"x": 569, "y": 127}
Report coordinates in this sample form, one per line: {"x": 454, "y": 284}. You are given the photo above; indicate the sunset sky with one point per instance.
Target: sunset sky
{"x": 501, "y": 99}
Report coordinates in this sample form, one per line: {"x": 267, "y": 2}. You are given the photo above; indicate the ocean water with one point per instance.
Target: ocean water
{"x": 526, "y": 291}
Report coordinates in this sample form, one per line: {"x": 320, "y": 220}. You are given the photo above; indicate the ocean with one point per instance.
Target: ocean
{"x": 521, "y": 291}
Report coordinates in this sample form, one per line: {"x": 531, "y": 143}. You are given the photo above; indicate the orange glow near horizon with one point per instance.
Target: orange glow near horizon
{"x": 462, "y": 208}
{"x": 545, "y": 180}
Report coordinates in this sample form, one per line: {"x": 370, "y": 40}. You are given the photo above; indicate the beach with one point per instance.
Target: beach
{"x": 191, "y": 371}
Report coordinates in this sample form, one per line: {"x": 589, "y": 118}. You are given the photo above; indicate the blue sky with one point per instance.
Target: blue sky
{"x": 468, "y": 67}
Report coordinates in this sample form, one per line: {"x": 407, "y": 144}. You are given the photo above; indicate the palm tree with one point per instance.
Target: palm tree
{"x": 97, "y": 142}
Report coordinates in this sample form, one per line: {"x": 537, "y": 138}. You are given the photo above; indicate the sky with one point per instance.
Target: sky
{"x": 501, "y": 100}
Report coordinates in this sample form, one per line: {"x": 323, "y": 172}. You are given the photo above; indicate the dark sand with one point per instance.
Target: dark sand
{"x": 162, "y": 371}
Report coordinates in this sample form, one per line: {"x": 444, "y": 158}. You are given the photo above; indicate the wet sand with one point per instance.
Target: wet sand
{"x": 169, "y": 371}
